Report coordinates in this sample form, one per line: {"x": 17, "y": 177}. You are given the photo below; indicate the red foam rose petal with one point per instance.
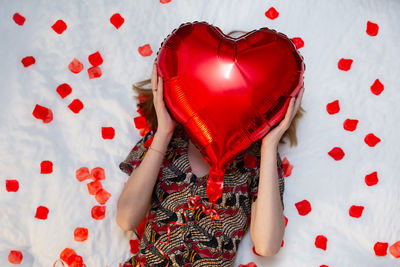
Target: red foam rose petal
{"x": 303, "y": 207}
{"x": 287, "y": 167}
{"x": 165, "y": 1}
{"x": 15, "y": 256}
{"x": 282, "y": 243}
{"x": 46, "y": 167}
{"x": 356, "y": 211}
{"x": 380, "y": 248}
{"x": 117, "y": 20}
{"x": 41, "y": 213}
{"x": 75, "y": 66}
{"x": 12, "y": 185}
{"x": 345, "y": 64}
{"x": 377, "y": 87}
{"x": 350, "y": 125}
{"x": 372, "y": 28}
{"x": 27, "y": 61}
{"x": 298, "y": 42}
{"x": 333, "y": 107}
{"x": 371, "y": 179}
{"x": 82, "y": 174}
{"x": 320, "y": 242}
{"x": 94, "y": 72}
{"x": 145, "y": 50}
{"x": 144, "y": 130}
{"x": 250, "y": 264}
{"x": 107, "y": 132}
{"x": 98, "y": 212}
{"x": 336, "y": 153}
{"x": 76, "y": 106}
{"x": 141, "y": 112}
{"x": 19, "y": 19}
{"x": 271, "y": 13}
{"x": 286, "y": 221}
{"x": 395, "y": 250}
{"x": 148, "y": 142}
{"x": 94, "y": 187}
{"x": 371, "y": 140}
{"x": 140, "y": 122}
{"x": 98, "y": 173}
{"x": 81, "y": 234}
{"x": 250, "y": 161}
{"x": 68, "y": 255}
{"x": 59, "y": 26}
{"x": 134, "y": 243}
{"x": 95, "y": 59}
{"x": 64, "y": 90}
{"x": 142, "y": 98}
{"x": 43, "y": 113}
{"x": 102, "y": 196}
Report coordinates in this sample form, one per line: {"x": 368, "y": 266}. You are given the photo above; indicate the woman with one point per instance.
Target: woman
{"x": 168, "y": 184}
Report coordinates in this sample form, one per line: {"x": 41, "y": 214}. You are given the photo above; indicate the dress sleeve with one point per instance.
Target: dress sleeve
{"x": 253, "y": 189}
{"x": 137, "y": 153}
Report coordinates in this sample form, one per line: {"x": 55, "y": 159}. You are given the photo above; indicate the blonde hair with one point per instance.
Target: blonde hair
{"x": 144, "y": 100}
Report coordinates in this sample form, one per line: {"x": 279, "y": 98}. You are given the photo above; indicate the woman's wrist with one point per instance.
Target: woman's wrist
{"x": 161, "y": 141}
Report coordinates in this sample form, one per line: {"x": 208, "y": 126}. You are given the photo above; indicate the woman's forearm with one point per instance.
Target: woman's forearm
{"x": 268, "y": 221}
{"x": 135, "y": 198}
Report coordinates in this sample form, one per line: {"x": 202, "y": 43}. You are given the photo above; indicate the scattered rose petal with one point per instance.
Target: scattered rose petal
{"x": 94, "y": 72}
{"x": 303, "y": 207}
{"x": 395, "y": 250}
{"x": 371, "y": 179}
{"x": 271, "y": 13}
{"x": 165, "y": 1}
{"x": 98, "y": 173}
{"x": 250, "y": 161}
{"x": 345, "y": 64}
{"x": 94, "y": 187}
{"x": 372, "y": 28}
{"x": 117, "y": 20}
{"x": 142, "y": 98}
{"x": 75, "y": 66}
{"x": 250, "y": 264}
{"x": 356, "y": 211}
{"x": 286, "y": 221}
{"x": 282, "y": 243}
{"x": 377, "y": 87}
{"x": 41, "y": 212}
{"x": 336, "y": 153}
{"x": 64, "y": 89}
{"x": 19, "y": 19}
{"x": 148, "y": 142}
{"x": 12, "y": 185}
{"x": 380, "y": 248}
{"x": 43, "y": 113}
{"x": 134, "y": 243}
{"x": 59, "y": 26}
{"x": 98, "y": 212}
{"x": 350, "y": 125}
{"x": 298, "y": 42}
{"x": 82, "y": 174}
{"x": 95, "y": 59}
{"x": 15, "y": 256}
{"x": 320, "y": 242}
{"x": 145, "y": 50}
{"x": 333, "y": 107}
{"x": 107, "y": 132}
{"x": 46, "y": 167}
{"x": 68, "y": 255}
{"x": 81, "y": 234}
{"x": 27, "y": 61}
{"x": 371, "y": 140}
{"x": 287, "y": 167}
{"x": 76, "y": 106}
{"x": 140, "y": 122}
{"x": 102, "y": 196}
{"x": 144, "y": 130}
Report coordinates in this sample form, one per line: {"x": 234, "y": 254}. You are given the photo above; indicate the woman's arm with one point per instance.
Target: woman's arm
{"x": 135, "y": 198}
{"x": 267, "y": 225}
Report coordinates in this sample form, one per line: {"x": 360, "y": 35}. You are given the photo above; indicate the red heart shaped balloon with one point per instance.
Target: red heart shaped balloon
{"x": 227, "y": 92}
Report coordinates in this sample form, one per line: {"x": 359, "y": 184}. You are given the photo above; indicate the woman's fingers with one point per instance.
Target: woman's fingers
{"x": 160, "y": 89}
{"x": 298, "y": 101}
{"x": 154, "y": 76}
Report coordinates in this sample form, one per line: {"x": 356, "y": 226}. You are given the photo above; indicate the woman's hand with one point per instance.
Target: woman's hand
{"x": 276, "y": 134}
{"x": 165, "y": 124}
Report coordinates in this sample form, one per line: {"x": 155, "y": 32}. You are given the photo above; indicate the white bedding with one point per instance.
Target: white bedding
{"x": 331, "y": 30}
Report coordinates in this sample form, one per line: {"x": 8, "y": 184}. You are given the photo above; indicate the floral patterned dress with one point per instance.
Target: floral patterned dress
{"x": 178, "y": 232}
